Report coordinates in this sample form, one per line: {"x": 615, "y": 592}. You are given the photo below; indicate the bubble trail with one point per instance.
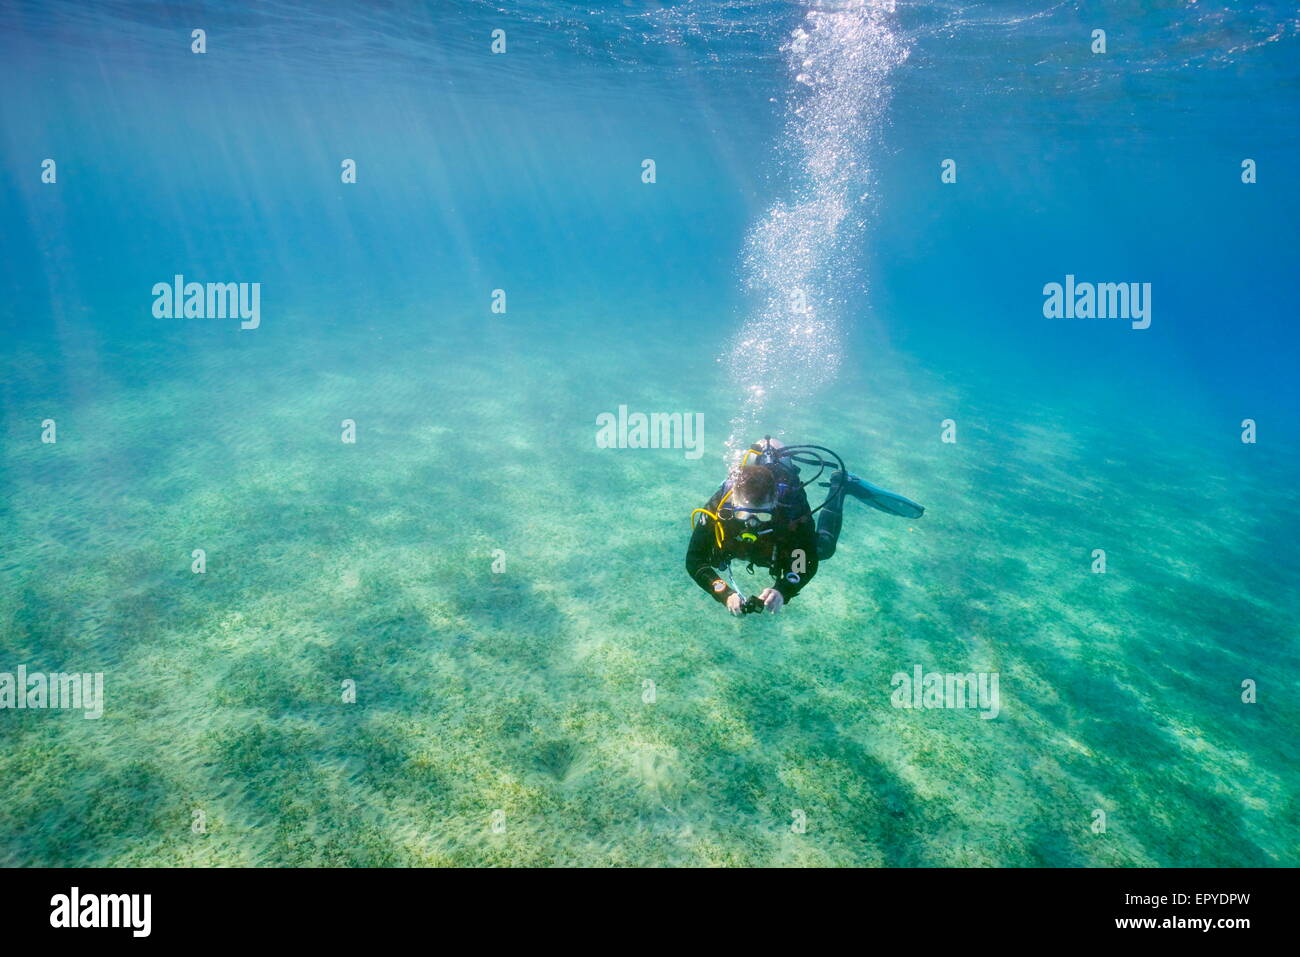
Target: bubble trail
{"x": 797, "y": 255}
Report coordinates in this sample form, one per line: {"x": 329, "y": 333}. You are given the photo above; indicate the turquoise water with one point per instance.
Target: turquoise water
{"x": 537, "y": 682}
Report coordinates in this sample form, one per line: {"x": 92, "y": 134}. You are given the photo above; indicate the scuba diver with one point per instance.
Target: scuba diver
{"x": 760, "y": 515}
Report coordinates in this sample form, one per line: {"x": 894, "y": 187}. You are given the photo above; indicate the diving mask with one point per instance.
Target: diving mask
{"x": 751, "y": 516}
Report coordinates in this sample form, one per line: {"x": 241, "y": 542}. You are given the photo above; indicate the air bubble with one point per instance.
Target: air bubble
{"x": 807, "y": 241}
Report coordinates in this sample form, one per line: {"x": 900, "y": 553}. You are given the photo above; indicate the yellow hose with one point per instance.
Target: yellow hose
{"x": 717, "y": 523}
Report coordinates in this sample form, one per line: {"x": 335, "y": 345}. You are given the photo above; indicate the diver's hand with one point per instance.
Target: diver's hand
{"x": 772, "y": 600}
{"x": 735, "y": 604}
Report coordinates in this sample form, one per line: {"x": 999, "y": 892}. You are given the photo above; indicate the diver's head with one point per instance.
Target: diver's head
{"x": 753, "y": 495}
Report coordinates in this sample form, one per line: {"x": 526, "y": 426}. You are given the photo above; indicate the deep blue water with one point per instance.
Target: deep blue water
{"x": 474, "y": 168}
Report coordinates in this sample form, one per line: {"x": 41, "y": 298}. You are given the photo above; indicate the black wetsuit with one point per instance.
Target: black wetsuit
{"x": 788, "y": 550}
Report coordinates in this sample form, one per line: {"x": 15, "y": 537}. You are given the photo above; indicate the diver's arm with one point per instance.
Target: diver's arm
{"x": 698, "y": 555}
{"x": 805, "y": 541}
